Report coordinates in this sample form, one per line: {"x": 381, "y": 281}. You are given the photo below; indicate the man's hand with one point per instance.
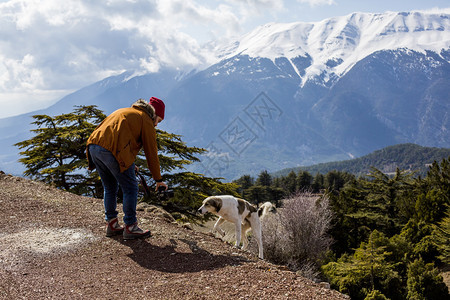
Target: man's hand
{"x": 162, "y": 183}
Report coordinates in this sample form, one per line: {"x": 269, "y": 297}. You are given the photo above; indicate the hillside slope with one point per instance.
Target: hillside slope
{"x": 53, "y": 246}
{"x": 409, "y": 157}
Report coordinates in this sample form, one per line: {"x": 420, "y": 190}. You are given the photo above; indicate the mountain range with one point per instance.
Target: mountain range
{"x": 295, "y": 94}
{"x": 411, "y": 158}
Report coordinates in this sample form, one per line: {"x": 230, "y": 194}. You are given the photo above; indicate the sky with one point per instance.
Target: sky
{"x": 50, "y": 48}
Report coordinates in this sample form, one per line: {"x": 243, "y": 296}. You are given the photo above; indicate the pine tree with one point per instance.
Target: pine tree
{"x": 442, "y": 234}
{"x": 424, "y": 282}
{"x": 364, "y": 205}
{"x": 264, "y": 179}
{"x": 334, "y": 181}
{"x": 318, "y": 183}
{"x": 304, "y": 180}
{"x": 57, "y": 153}
{"x": 366, "y": 270}
{"x": 244, "y": 182}
{"x": 257, "y": 194}
{"x": 434, "y": 191}
{"x": 290, "y": 183}
{"x": 438, "y": 177}
{"x": 379, "y": 202}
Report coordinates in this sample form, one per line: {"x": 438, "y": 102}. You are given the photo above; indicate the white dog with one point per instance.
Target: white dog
{"x": 265, "y": 209}
{"x": 240, "y": 212}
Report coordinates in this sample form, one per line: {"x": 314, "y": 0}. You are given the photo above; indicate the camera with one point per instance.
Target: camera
{"x": 164, "y": 194}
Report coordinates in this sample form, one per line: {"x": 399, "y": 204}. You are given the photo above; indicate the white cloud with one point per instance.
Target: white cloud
{"x": 259, "y": 5}
{"x": 19, "y": 74}
{"x": 46, "y": 46}
{"x": 251, "y": 9}
{"x": 318, "y": 2}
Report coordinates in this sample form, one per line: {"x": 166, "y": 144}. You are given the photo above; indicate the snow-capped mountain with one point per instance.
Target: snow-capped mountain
{"x": 294, "y": 94}
{"x": 333, "y": 46}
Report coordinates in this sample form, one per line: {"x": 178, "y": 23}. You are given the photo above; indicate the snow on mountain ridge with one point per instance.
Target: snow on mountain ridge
{"x": 337, "y": 44}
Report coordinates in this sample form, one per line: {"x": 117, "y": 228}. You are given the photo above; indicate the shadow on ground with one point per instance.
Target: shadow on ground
{"x": 167, "y": 259}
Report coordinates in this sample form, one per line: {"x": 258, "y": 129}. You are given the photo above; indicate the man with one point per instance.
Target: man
{"x": 112, "y": 149}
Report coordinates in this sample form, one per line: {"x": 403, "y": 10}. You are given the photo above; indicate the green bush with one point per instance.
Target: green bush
{"x": 424, "y": 282}
{"x": 442, "y": 238}
{"x": 366, "y": 270}
{"x": 375, "y": 295}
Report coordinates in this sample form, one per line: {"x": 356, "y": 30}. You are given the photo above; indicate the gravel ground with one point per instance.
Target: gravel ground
{"x": 53, "y": 247}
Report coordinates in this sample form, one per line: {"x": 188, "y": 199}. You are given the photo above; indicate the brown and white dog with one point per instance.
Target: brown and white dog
{"x": 240, "y": 212}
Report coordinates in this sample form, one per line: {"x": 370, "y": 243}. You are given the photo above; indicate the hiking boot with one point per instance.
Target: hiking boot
{"x": 132, "y": 232}
{"x": 113, "y": 228}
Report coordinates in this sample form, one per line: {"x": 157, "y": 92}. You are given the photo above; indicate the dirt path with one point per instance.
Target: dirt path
{"x": 53, "y": 246}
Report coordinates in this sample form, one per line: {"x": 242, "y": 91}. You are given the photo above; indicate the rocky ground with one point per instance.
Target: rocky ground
{"x": 53, "y": 246}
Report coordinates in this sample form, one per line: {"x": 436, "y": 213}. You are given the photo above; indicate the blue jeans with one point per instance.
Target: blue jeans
{"x": 109, "y": 171}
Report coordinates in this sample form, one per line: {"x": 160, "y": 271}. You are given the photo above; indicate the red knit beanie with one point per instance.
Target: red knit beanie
{"x": 158, "y": 105}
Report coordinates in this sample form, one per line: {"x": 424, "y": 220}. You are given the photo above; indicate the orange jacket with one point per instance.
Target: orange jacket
{"x": 124, "y": 133}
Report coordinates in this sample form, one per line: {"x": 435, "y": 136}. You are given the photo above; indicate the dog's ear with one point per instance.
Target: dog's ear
{"x": 250, "y": 207}
{"x": 242, "y": 205}
{"x": 215, "y": 202}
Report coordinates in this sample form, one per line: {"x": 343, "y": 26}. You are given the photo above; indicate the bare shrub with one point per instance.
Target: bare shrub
{"x": 273, "y": 238}
{"x": 297, "y": 235}
{"x": 309, "y": 270}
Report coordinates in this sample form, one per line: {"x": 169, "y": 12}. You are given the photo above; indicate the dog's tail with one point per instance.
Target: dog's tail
{"x": 265, "y": 209}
